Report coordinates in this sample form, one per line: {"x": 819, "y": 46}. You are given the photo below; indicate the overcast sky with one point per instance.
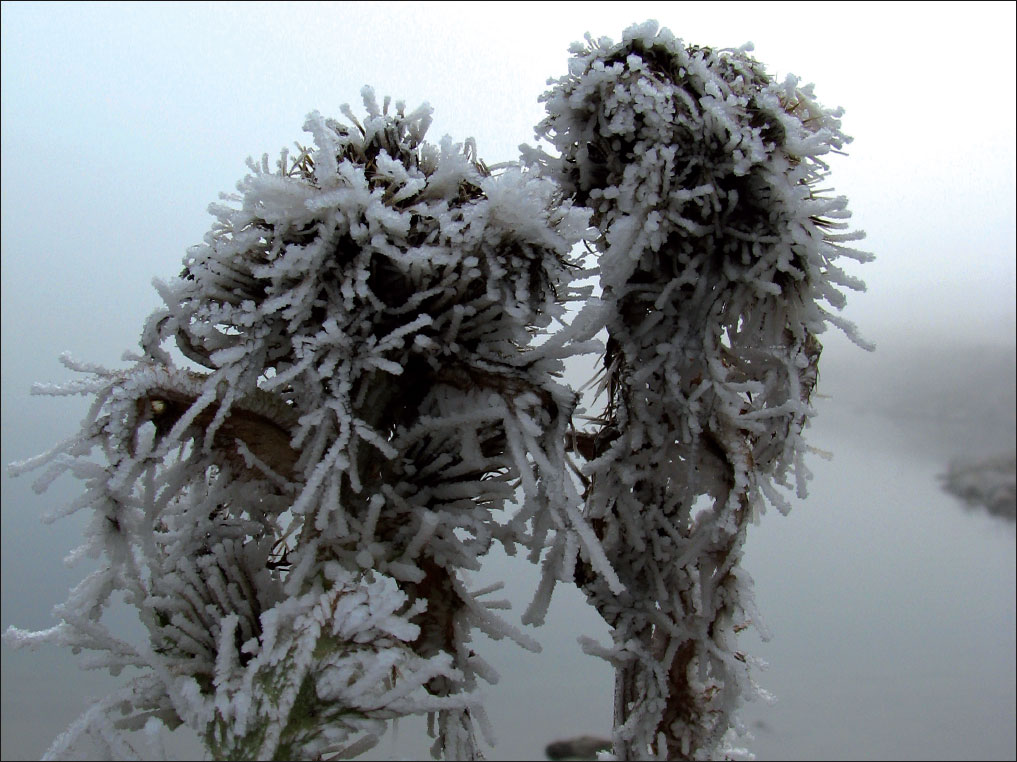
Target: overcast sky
{"x": 122, "y": 122}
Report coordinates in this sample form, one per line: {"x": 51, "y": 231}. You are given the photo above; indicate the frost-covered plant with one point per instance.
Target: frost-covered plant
{"x": 343, "y": 394}
{"x": 291, "y": 515}
{"x": 717, "y": 251}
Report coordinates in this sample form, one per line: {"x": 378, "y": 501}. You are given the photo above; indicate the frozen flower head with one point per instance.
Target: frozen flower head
{"x": 717, "y": 263}
{"x": 710, "y": 120}
{"x": 701, "y": 172}
{"x": 360, "y": 287}
{"x": 333, "y": 403}
{"x": 367, "y": 232}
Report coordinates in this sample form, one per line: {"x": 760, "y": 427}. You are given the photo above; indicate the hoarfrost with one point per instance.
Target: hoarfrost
{"x": 290, "y": 510}
{"x": 716, "y": 258}
{"x": 354, "y": 379}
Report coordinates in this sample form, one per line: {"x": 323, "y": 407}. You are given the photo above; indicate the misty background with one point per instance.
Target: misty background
{"x": 891, "y": 602}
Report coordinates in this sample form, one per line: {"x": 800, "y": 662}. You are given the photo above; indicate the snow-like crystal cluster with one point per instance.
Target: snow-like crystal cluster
{"x": 291, "y": 511}
{"x": 717, "y": 258}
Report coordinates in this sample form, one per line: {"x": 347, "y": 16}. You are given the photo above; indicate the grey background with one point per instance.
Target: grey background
{"x": 892, "y": 605}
